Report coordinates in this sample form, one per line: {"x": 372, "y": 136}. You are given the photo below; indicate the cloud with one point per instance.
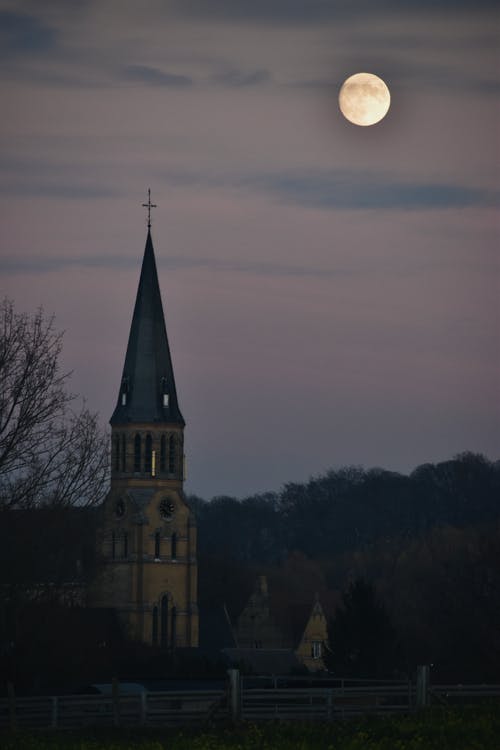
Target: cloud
{"x": 240, "y": 78}
{"x": 23, "y": 34}
{"x": 155, "y": 76}
{"x": 323, "y": 189}
{"x": 313, "y": 11}
{"x": 32, "y": 264}
{"x": 45, "y": 178}
{"x": 343, "y": 190}
{"x": 334, "y": 191}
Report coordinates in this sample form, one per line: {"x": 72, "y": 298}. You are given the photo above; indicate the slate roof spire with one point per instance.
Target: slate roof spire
{"x": 147, "y": 390}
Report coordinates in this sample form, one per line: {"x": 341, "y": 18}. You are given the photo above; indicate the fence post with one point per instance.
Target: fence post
{"x": 423, "y": 684}
{"x": 115, "y": 694}
{"x": 55, "y": 711}
{"x": 234, "y": 693}
{"x": 11, "y": 697}
{"x": 144, "y": 707}
{"x": 329, "y": 705}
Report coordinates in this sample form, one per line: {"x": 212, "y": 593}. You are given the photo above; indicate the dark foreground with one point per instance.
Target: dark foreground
{"x": 474, "y": 728}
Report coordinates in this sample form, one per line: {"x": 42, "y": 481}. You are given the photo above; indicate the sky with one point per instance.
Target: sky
{"x": 331, "y": 292}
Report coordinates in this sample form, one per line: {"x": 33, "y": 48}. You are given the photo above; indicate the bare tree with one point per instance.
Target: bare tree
{"x": 49, "y": 453}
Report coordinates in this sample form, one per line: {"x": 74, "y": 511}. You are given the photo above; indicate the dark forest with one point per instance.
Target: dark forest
{"x": 407, "y": 568}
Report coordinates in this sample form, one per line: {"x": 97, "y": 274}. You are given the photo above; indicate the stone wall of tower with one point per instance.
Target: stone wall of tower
{"x": 148, "y": 543}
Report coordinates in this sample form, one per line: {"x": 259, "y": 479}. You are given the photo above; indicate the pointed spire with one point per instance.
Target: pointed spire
{"x": 147, "y": 391}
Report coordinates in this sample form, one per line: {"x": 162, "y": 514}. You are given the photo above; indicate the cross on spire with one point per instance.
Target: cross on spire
{"x": 149, "y": 206}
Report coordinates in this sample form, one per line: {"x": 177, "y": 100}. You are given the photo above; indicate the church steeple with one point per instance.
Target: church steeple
{"x": 148, "y": 533}
{"x": 147, "y": 391}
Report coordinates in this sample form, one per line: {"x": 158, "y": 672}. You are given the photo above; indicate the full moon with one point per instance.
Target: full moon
{"x": 364, "y": 99}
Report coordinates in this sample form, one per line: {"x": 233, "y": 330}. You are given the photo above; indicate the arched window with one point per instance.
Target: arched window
{"x": 125, "y": 544}
{"x": 157, "y": 545}
{"x": 173, "y": 627}
{"x": 164, "y": 622}
{"x": 174, "y": 546}
{"x": 113, "y": 545}
{"x": 137, "y": 453}
{"x": 124, "y": 453}
{"x": 171, "y": 455}
{"x": 163, "y": 453}
{"x": 154, "y": 634}
{"x": 148, "y": 454}
{"x": 316, "y": 649}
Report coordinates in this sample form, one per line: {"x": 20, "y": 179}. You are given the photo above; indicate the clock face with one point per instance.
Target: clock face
{"x": 120, "y": 508}
{"x": 167, "y": 508}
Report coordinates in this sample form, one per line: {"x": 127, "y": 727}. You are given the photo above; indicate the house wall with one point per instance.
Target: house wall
{"x": 315, "y": 632}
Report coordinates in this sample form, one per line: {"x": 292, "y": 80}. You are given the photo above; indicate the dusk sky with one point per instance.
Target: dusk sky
{"x": 331, "y": 291}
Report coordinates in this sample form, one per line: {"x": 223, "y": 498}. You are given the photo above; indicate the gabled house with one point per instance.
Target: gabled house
{"x": 293, "y": 628}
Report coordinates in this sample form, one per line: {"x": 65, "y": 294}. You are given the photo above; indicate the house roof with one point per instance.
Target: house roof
{"x": 290, "y": 617}
{"x": 148, "y": 375}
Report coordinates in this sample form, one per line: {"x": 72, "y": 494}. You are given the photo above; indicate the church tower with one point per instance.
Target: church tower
{"x": 149, "y": 533}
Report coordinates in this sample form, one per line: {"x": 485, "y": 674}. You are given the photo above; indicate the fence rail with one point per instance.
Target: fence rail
{"x": 149, "y": 709}
{"x": 255, "y": 699}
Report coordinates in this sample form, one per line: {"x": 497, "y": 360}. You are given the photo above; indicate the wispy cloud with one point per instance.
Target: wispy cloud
{"x": 329, "y": 190}
{"x": 238, "y": 78}
{"x": 228, "y": 76}
{"x": 59, "y": 177}
{"x": 24, "y": 34}
{"x": 63, "y": 190}
{"x": 31, "y": 264}
{"x": 312, "y": 11}
{"x": 155, "y": 76}
{"x": 344, "y": 190}
{"x": 351, "y": 191}
{"x": 37, "y": 264}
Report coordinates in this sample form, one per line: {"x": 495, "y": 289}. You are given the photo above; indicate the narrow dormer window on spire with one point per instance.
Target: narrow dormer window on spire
{"x": 164, "y": 390}
{"x": 124, "y": 392}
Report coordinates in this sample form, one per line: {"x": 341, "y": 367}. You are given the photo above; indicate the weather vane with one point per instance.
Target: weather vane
{"x": 149, "y": 206}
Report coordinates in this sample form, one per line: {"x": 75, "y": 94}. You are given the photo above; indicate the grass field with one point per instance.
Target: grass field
{"x": 475, "y": 728}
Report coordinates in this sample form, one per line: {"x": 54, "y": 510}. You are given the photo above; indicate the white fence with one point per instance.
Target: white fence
{"x": 148, "y": 709}
{"x": 254, "y": 699}
{"x": 289, "y": 698}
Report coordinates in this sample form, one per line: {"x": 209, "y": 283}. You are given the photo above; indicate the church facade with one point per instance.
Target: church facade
{"x": 148, "y": 535}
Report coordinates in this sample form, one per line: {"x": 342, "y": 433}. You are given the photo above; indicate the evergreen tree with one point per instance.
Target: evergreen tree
{"x": 362, "y": 641}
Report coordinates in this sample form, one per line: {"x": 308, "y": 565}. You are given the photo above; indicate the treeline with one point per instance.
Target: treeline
{"x": 406, "y": 567}
{"x": 349, "y": 508}
{"x": 427, "y": 546}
